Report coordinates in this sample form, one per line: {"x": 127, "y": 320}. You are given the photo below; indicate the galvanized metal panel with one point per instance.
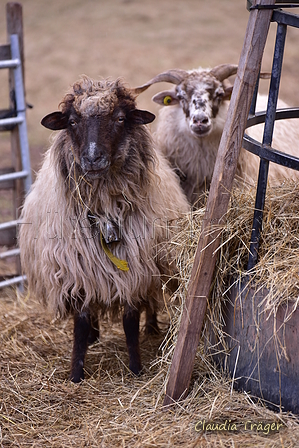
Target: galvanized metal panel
{"x": 262, "y": 348}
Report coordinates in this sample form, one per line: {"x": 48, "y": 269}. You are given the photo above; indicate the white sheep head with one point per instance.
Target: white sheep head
{"x": 198, "y": 92}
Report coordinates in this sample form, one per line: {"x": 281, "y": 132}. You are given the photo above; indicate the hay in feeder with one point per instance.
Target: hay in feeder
{"x": 274, "y": 278}
{"x": 39, "y": 407}
{"x": 277, "y": 268}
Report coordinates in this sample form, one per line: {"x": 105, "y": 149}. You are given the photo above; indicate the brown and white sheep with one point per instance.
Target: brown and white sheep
{"x": 189, "y": 128}
{"x": 101, "y": 203}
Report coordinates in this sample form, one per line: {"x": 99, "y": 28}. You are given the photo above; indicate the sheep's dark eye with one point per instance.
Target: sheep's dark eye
{"x": 72, "y": 122}
{"x": 121, "y": 119}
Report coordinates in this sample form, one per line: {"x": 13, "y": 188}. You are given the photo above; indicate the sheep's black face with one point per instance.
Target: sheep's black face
{"x": 100, "y": 142}
{"x": 104, "y": 141}
{"x": 101, "y": 128}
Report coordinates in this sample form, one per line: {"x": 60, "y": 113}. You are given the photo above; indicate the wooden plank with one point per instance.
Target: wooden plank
{"x": 260, "y": 365}
{"x": 8, "y": 184}
{"x": 8, "y": 237}
{"x": 5, "y": 52}
{"x": 217, "y": 204}
{"x": 14, "y": 19}
{"x": 7, "y": 113}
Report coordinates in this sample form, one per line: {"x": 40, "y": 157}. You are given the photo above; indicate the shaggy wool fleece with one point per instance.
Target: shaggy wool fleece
{"x": 61, "y": 251}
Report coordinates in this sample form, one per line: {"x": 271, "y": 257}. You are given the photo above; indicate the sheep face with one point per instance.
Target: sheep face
{"x": 200, "y": 96}
{"x": 98, "y": 119}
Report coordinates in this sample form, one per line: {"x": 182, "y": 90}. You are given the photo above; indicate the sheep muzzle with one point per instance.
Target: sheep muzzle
{"x": 94, "y": 166}
{"x": 200, "y": 128}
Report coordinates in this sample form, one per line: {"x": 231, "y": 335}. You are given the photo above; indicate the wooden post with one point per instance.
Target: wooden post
{"x": 14, "y": 20}
{"x": 217, "y": 204}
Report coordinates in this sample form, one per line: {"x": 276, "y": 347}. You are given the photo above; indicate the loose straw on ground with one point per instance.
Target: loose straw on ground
{"x": 39, "y": 407}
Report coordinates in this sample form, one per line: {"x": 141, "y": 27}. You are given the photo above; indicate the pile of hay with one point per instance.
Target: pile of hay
{"x": 277, "y": 268}
{"x": 39, "y": 407}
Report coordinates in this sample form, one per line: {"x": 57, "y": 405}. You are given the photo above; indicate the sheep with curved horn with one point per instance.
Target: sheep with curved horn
{"x": 188, "y": 132}
{"x": 174, "y": 76}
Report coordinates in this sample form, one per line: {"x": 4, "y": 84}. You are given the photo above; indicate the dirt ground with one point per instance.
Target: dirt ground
{"x": 131, "y": 39}
{"x": 134, "y": 40}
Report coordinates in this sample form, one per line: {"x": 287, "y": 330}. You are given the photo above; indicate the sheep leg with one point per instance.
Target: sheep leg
{"x": 82, "y": 328}
{"x": 151, "y": 324}
{"x": 94, "y": 333}
{"x": 131, "y": 319}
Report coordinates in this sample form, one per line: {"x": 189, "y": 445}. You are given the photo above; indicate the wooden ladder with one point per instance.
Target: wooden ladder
{"x": 18, "y": 177}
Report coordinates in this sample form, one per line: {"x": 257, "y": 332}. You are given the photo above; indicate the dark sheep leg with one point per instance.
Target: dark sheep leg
{"x": 94, "y": 333}
{"x": 151, "y": 324}
{"x": 82, "y": 328}
{"x": 131, "y": 319}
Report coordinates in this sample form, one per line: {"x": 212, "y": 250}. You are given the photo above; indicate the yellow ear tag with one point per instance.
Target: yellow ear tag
{"x": 167, "y": 100}
{"x": 120, "y": 264}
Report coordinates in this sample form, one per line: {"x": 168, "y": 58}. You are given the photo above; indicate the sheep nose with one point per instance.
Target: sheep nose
{"x": 95, "y": 162}
{"x": 200, "y": 125}
{"x": 201, "y": 120}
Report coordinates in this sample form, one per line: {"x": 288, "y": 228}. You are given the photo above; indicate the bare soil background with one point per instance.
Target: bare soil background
{"x": 131, "y": 39}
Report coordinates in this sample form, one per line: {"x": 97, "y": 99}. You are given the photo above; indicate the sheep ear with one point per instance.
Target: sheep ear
{"x": 227, "y": 92}
{"x": 141, "y": 116}
{"x": 167, "y": 98}
{"x": 55, "y": 121}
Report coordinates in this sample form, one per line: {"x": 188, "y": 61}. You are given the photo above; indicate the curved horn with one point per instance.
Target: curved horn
{"x": 224, "y": 71}
{"x": 175, "y": 76}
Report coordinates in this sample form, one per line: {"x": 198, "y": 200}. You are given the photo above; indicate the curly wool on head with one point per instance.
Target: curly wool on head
{"x": 91, "y": 97}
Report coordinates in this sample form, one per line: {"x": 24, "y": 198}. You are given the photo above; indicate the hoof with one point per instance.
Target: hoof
{"x": 77, "y": 374}
{"x": 136, "y": 370}
{"x": 76, "y": 380}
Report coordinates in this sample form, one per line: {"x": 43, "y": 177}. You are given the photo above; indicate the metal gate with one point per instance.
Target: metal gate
{"x": 15, "y": 119}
